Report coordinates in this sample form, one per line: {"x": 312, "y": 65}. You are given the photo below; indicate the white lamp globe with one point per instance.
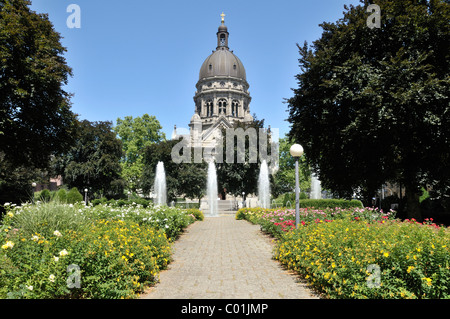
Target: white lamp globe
{"x": 296, "y": 150}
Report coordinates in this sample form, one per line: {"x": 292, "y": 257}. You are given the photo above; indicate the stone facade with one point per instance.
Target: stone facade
{"x": 222, "y": 97}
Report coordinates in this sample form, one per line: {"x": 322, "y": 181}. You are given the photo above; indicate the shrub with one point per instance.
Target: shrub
{"x": 61, "y": 196}
{"x": 329, "y": 203}
{"x": 45, "y": 195}
{"x": 118, "y": 250}
{"x": 198, "y": 214}
{"x": 98, "y": 201}
{"x": 74, "y": 196}
{"x": 335, "y": 257}
{"x": 45, "y": 218}
{"x": 116, "y": 259}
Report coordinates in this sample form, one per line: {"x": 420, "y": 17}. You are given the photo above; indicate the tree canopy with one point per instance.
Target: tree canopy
{"x": 36, "y": 121}
{"x": 94, "y": 161}
{"x": 35, "y": 116}
{"x": 136, "y": 134}
{"x": 284, "y": 178}
{"x": 236, "y": 177}
{"x": 372, "y": 105}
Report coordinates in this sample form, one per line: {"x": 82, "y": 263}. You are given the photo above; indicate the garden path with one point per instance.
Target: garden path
{"x": 225, "y": 258}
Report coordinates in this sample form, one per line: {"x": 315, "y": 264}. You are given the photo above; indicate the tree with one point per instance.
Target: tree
{"x": 238, "y": 178}
{"x": 284, "y": 178}
{"x": 372, "y": 104}
{"x": 160, "y": 152}
{"x": 136, "y": 134}
{"x": 184, "y": 179}
{"x": 94, "y": 161}
{"x": 36, "y": 121}
{"x": 35, "y": 116}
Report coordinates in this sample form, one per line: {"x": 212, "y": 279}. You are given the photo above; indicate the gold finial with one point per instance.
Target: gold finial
{"x": 223, "y": 18}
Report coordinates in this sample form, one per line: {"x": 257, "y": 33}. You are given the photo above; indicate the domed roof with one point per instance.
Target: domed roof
{"x": 223, "y": 63}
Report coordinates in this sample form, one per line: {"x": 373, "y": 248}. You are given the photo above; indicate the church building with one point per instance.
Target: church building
{"x": 222, "y": 97}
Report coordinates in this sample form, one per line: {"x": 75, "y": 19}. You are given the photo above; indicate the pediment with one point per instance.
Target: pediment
{"x": 222, "y": 123}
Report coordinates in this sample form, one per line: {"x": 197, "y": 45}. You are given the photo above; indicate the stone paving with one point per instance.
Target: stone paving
{"x": 225, "y": 258}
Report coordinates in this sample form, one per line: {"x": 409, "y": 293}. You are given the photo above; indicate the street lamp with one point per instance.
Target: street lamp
{"x": 297, "y": 152}
{"x": 85, "y": 195}
{"x": 243, "y": 200}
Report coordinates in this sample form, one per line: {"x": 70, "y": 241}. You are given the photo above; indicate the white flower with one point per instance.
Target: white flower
{"x": 35, "y": 238}
{"x": 167, "y": 226}
{"x": 57, "y": 233}
{"x": 30, "y": 288}
{"x": 9, "y": 244}
{"x": 7, "y": 204}
{"x": 52, "y": 278}
{"x": 55, "y": 258}
{"x": 63, "y": 252}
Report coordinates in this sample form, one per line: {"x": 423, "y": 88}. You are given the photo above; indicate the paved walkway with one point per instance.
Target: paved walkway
{"x": 224, "y": 258}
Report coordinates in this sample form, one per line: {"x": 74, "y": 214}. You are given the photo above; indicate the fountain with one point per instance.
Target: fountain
{"x": 160, "y": 185}
{"x": 316, "y": 188}
{"x": 264, "y": 186}
{"x": 212, "y": 190}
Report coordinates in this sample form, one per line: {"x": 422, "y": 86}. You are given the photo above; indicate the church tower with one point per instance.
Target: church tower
{"x": 222, "y": 97}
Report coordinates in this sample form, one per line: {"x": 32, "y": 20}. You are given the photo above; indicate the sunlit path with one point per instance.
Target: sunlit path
{"x": 225, "y": 258}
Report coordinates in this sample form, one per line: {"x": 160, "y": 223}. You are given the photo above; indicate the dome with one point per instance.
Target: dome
{"x": 223, "y": 63}
{"x": 223, "y": 28}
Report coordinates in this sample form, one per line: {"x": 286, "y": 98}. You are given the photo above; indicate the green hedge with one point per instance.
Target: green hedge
{"x": 329, "y": 203}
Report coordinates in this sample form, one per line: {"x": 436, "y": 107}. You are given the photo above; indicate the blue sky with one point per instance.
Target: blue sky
{"x": 144, "y": 56}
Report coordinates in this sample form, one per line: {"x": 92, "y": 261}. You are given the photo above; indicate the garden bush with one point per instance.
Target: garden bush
{"x": 341, "y": 258}
{"x": 45, "y": 195}
{"x": 198, "y": 214}
{"x": 118, "y": 250}
{"x": 360, "y": 252}
{"x": 61, "y": 196}
{"x": 74, "y": 196}
{"x": 278, "y": 221}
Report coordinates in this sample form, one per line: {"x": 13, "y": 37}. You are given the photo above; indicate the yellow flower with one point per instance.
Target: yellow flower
{"x": 9, "y": 244}
{"x": 410, "y": 268}
{"x": 386, "y": 254}
{"x": 428, "y": 281}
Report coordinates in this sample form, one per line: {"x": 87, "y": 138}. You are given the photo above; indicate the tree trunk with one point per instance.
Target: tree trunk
{"x": 412, "y": 203}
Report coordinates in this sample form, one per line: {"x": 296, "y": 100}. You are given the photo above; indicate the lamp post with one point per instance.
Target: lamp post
{"x": 85, "y": 195}
{"x": 243, "y": 200}
{"x": 297, "y": 152}
{"x": 33, "y": 185}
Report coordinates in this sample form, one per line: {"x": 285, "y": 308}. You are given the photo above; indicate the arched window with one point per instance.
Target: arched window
{"x": 235, "y": 108}
{"x": 209, "y": 108}
{"x": 222, "y": 106}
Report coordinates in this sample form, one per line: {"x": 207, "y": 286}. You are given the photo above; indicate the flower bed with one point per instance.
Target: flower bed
{"x": 117, "y": 250}
{"x": 278, "y": 221}
{"x": 361, "y": 253}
